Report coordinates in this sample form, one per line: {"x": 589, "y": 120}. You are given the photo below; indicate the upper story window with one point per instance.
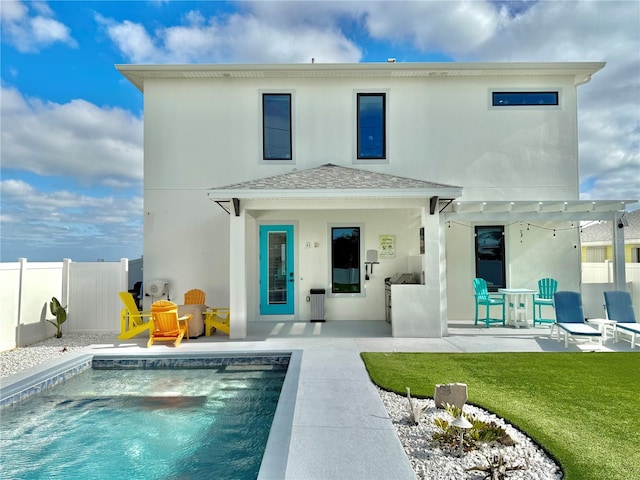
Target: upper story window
{"x": 524, "y": 99}
{"x": 276, "y": 126}
{"x": 372, "y": 126}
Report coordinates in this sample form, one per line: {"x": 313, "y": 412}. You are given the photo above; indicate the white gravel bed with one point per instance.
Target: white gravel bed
{"x": 18, "y": 359}
{"x": 431, "y": 460}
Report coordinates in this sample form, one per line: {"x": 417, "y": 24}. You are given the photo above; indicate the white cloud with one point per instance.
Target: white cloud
{"x": 96, "y": 145}
{"x": 30, "y": 33}
{"x": 63, "y": 224}
{"x": 453, "y": 27}
{"x": 234, "y": 39}
{"x": 12, "y": 12}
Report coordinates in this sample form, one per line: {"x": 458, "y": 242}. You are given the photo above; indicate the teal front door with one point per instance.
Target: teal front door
{"x": 277, "y": 279}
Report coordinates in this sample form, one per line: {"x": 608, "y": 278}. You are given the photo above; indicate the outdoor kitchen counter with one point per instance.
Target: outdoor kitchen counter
{"x": 410, "y": 313}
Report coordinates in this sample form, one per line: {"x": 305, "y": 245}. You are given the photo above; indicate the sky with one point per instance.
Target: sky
{"x": 72, "y": 126}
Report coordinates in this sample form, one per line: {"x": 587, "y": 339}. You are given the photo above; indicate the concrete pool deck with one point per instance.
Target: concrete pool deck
{"x": 336, "y": 425}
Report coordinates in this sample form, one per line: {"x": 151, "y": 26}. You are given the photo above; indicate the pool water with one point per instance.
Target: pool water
{"x": 208, "y": 423}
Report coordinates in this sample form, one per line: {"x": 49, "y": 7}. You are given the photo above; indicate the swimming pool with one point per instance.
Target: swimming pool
{"x": 203, "y": 417}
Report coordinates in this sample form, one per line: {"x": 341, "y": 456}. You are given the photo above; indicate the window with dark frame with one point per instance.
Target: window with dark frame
{"x": 371, "y": 127}
{"x": 345, "y": 260}
{"x": 516, "y": 99}
{"x": 276, "y": 126}
{"x": 490, "y": 263}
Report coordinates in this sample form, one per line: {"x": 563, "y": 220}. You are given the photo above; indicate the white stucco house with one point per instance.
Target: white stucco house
{"x": 263, "y": 182}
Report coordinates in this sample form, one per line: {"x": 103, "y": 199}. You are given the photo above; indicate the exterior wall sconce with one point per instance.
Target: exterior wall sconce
{"x": 371, "y": 259}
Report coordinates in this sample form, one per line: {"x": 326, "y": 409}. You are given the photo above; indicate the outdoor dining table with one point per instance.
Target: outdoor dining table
{"x": 517, "y": 299}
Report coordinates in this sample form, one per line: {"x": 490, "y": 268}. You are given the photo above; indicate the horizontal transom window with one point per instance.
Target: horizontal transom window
{"x": 518, "y": 99}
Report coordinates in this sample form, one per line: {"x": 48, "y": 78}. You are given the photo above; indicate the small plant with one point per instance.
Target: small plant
{"x": 498, "y": 469}
{"x": 480, "y": 432}
{"x": 415, "y": 410}
{"x": 60, "y": 313}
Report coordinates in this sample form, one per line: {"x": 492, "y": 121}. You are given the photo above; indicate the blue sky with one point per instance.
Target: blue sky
{"x": 72, "y": 126}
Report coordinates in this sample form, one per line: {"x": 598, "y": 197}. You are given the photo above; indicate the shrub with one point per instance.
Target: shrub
{"x": 480, "y": 431}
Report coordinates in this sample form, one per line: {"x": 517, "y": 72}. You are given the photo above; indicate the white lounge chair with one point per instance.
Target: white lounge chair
{"x": 570, "y": 318}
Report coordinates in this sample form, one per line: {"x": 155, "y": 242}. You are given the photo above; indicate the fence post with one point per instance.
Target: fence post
{"x": 66, "y": 262}
{"x": 23, "y": 267}
{"x": 609, "y": 267}
{"x": 124, "y": 274}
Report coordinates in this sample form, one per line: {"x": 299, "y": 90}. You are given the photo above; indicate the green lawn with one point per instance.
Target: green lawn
{"x": 584, "y": 408}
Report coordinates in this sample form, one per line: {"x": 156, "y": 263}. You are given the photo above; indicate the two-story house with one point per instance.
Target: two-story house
{"x": 263, "y": 182}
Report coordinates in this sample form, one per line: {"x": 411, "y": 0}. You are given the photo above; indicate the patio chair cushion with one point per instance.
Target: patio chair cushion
{"x": 629, "y": 327}
{"x": 579, "y": 329}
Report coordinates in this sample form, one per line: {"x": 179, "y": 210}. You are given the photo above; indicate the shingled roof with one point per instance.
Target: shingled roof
{"x": 601, "y": 232}
{"x": 335, "y": 178}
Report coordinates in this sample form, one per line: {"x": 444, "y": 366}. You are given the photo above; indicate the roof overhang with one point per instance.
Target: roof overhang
{"x": 333, "y": 187}
{"x": 580, "y": 71}
{"x": 334, "y": 194}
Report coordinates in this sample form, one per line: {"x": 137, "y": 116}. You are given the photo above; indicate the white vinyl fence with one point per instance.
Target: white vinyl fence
{"x": 88, "y": 290}
{"x": 598, "y": 277}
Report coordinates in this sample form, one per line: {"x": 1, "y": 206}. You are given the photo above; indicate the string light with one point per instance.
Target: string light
{"x": 529, "y": 226}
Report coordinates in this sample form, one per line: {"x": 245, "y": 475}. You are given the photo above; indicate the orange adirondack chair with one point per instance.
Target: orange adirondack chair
{"x": 167, "y": 326}
{"x": 194, "y": 297}
{"x": 216, "y": 318}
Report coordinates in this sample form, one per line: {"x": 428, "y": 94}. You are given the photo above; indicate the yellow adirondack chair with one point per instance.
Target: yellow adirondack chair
{"x": 167, "y": 326}
{"x": 217, "y": 318}
{"x": 132, "y": 321}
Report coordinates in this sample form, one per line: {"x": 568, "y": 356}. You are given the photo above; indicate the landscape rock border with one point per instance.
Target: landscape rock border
{"x": 432, "y": 461}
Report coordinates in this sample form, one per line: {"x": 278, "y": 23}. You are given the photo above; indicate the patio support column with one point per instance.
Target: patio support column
{"x": 434, "y": 268}
{"x": 238, "y": 275}
{"x": 619, "y": 272}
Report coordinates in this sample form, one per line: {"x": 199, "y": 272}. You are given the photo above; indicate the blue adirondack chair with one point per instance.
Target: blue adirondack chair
{"x": 546, "y": 288}
{"x": 488, "y": 300}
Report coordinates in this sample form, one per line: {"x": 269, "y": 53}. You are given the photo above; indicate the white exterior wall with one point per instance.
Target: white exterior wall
{"x": 205, "y": 133}
{"x": 201, "y": 133}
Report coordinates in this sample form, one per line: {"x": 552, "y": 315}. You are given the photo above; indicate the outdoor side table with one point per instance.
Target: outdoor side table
{"x": 517, "y": 298}
{"x": 604, "y": 325}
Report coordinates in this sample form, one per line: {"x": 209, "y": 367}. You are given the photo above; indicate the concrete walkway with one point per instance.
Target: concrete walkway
{"x": 331, "y": 423}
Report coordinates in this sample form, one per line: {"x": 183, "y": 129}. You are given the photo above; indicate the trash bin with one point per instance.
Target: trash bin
{"x": 317, "y": 304}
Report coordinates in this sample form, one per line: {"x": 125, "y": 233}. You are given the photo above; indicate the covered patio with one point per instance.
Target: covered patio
{"x": 433, "y": 223}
